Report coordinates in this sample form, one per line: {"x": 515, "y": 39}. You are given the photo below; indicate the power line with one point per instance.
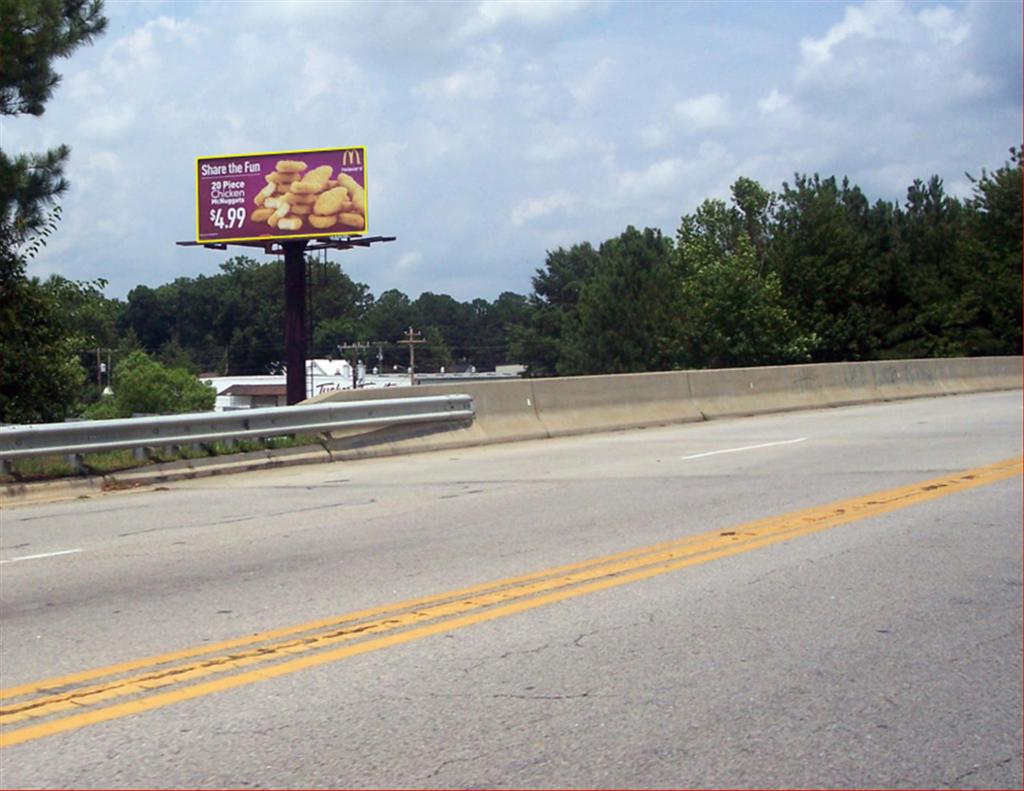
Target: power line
{"x": 411, "y": 339}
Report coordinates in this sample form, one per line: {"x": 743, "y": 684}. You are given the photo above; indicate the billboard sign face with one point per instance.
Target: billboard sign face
{"x": 281, "y": 195}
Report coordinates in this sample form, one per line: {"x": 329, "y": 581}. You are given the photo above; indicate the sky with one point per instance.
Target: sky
{"x": 498, "y": 131}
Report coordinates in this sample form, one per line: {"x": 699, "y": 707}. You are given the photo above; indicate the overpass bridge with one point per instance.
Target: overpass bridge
{"x": 828, "y": 596}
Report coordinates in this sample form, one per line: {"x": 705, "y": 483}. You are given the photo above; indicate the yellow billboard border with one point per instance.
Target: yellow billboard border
{"x": 265, "y": 238}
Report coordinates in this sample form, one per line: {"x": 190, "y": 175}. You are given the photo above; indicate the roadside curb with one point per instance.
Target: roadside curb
{"x": 34, "y": 492}
{"x": 49, "y": 491}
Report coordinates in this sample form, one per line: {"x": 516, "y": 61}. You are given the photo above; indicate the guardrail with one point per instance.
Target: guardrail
{"x": 90, "y": 436}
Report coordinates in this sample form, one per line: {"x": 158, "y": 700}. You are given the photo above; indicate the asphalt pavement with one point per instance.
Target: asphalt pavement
{"x": 818, "y": 599}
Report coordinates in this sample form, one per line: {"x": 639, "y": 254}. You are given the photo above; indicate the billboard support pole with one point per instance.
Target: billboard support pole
{"x": 295, "y": 319}
{"x": 296, "y": 335}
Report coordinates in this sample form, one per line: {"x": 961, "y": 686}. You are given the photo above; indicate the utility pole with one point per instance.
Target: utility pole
{"x": 103, "y": 368}
{"x": 411, "y": 339}
{"x": 354, "y": 348}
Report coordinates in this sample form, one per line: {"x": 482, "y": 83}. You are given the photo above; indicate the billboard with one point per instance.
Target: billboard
{"x": 281, "y": 195}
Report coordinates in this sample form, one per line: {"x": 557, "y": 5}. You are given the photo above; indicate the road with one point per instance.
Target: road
{"x": 817, "y": 599}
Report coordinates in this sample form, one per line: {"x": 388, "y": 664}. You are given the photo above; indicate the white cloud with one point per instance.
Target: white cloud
{"x": 140, "y": 50}
{"x": 491, "y": 15}
{"x": 475, "y": 85}
{"x": 553, "y": 148}
{"x": 589, "y": 86}
{"x": 867, "y": 21}
{"x": 653, "y": 135}
{"x": 701, "y": 113}
{"x": 486, "y": 120}
{"x": 655, "y": 178}
{"x": 942, "y": 22}
{"x": 561, "y": 144}
{"x": 407, "y": 263}
{"x": 773, "y": 102}
{"x": 319, "y": 74}
{"x": 541, "y": 207}
{"x": 107, "y": 162}
{"x": 109, "y": 124}
{"x": 478, "y": 77}
{"x": 887, "y": 75}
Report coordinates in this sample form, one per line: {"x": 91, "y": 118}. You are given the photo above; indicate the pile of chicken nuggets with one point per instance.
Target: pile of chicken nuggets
{"x": 296, "y": 197}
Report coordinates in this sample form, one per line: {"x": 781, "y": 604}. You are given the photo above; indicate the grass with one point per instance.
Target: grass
{"x": 44, "y": 468}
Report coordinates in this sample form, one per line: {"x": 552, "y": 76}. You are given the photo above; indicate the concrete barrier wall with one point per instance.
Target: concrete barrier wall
{"x": 752, "y": 391}
{"x": 524, "y": 409}
{"x": 576, "y": 405}
{"x": 505, "y": 412}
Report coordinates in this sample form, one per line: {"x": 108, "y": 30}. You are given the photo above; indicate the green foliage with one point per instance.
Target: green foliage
{"x": 625, "y": 314}
{"x": 489, "y": 343}
{"x": 993, "y": 254}
{"x": 537, "y": 342}
{"x": 33, "y": 33}
{"x": 814, "y": 272}
{"x": 233, "y": 322}
{"x": 434, "y": 354}
{"x": 820, "y": 252}
{"x": 736, "y": 317}
{"x": 40, "y": 376}
{"x": 732, "y": 314}
{"x": 144, "y": 386}
{"x": 390, "y": 316}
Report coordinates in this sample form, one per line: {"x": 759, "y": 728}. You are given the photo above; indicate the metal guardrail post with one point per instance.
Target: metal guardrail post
{"x": 194, "y": 430}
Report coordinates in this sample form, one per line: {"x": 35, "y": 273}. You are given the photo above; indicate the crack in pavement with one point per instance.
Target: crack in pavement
{"x": 981, "y": 767}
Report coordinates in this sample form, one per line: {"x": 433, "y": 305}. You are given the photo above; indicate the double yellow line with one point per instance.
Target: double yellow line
{"x": 43, "y": 708}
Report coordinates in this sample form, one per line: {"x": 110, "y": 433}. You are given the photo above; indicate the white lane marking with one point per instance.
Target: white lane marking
{"x": 745, "y": 447}
{"x": 43, "y": 555}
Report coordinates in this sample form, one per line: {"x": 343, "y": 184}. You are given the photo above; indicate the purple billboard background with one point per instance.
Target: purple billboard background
{"x": 227, "y": 185}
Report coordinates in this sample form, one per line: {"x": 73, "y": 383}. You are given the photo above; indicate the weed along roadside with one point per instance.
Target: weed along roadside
{"x": 49, "y": 478}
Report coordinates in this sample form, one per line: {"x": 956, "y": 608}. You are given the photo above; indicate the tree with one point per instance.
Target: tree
{"x": 712, "y": 233}
{"x": 434, "y": 354}
{"x": 452, "y": 322}
{"x": 556, "y": 291}
{"x": 757, "y": 206}
{"x": 730, "y": 314}
{"x": 492, "y": 329}
{"x": 625, "y": 317}
{"x": 820, "y": 252}
{"x": 33, "y": 33}
{"x": 89, "y": 320}
{"x": 144, "y": 386}
{"x": 339, "y": 306}
{"x": 931, "y": 226}
{"x": 40, "y": 374}
{"x": 389, "y": 318}
{"x": 992, "y": 250}
{"x": 231, "y": 322}
{"x": 40, "y": 377}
